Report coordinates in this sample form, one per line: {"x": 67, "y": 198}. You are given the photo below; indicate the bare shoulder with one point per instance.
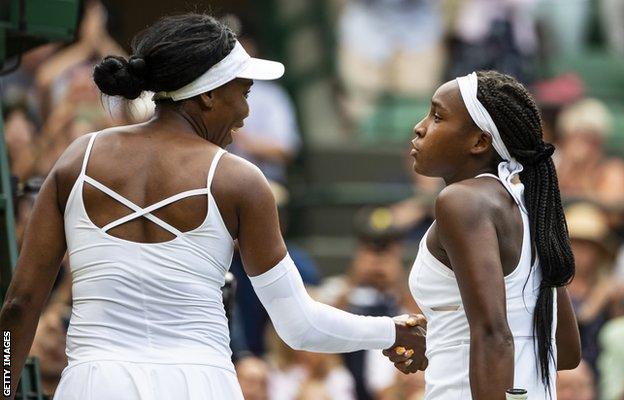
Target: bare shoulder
{"x": 241, "y": 181}
{"x": 469, "y": 200}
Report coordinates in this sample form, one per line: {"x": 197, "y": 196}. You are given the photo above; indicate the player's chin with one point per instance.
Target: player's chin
{"x": 423, "y": 169}
{"x": 418, "y": 167}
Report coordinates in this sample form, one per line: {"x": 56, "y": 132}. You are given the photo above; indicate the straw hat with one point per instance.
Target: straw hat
{"x": 586, "y": 116}
{"x": 588, "y": 222}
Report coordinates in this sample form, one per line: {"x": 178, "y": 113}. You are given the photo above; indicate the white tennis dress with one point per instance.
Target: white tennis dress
{"x": 148, "y": 321}
{"x": 435, "y": 290}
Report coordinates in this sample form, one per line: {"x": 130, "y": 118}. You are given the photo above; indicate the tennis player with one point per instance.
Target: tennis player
{"x": 491, "y": 270}
{"x": 149, "y": 214}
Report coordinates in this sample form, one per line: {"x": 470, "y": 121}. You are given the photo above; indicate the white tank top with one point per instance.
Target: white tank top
{"x": 147, "y": 302}
{"x": 436, "y": 292}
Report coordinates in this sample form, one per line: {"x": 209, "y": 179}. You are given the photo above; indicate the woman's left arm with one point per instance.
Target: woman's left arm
{"x": 37, "y": 267}
{"x": 467, "y": 233}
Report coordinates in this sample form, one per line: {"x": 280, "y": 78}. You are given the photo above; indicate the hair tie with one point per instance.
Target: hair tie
{"x": 544, "y": 152}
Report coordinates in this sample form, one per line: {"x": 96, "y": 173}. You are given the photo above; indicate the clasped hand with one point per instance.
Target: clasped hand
{"x": 408, "y": 351}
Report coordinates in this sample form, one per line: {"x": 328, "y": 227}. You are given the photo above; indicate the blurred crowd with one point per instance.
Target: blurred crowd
{"x": 385, "y": 47}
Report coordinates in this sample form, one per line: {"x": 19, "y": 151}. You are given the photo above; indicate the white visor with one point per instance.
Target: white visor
{"x": 262, "y": 70}
{"x": 237, "y": 64}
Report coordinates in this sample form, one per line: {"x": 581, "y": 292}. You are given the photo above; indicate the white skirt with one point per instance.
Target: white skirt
{"x": 122, "y": 380}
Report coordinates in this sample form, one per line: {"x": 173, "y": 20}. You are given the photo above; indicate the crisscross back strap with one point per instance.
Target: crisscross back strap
{"x": 146, "y": 211}
{"x": 213, "y": 167}
{"x": 138, "y": 211}
{"x": 87, "y": 153}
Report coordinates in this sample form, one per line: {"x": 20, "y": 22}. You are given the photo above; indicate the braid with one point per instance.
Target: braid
{"x": 518, "y": 120}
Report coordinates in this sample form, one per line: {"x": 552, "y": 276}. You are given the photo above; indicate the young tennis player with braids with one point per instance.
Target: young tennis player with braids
{"x": 491, "y": 271}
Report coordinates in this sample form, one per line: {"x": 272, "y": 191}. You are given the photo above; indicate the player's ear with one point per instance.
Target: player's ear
{"x": 481, "y": 142}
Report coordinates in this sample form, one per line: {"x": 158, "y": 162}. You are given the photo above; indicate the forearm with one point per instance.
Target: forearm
{"x": 18, "y": 322}
{"x": 567, "y": 335}
{"x": 305, "y": 324}
{"x": 491, "y": 366}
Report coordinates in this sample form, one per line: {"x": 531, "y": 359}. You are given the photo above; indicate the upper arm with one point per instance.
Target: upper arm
{"x": 467, "y": 233}
{"x": 259, "y": 236}
{"x": 42, "y": 249}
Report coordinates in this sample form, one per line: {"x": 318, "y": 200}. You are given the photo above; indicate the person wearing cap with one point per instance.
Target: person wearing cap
{"x": 148, "y": 214}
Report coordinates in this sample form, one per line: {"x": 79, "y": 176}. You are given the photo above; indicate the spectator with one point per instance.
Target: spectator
{"x": 20, "y": 85}
{"x": 20, "y": 136}
{"x": 576, "y": 384}
{"x": 253, "y": 376}
{"x": 380, "y": 42}
{"x": 593, "y": 286}
{"x": 582, "y": 166}
{"x": 94, "y": 42}
{"x": 498, "y": 35}
{"x": 408, "y": 387}
{"x": 314, "y": 390}
{"x": 374, "y": 285}
{"x": 300, "y": 375}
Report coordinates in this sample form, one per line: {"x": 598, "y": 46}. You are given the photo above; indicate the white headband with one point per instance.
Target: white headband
{"x": 507, "y": 169}
{"x": 237, "y": 64}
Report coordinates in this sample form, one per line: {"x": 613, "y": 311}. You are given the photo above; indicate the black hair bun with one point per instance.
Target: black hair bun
{"x": 116, "y": 76}
{"x": 137, "y": 65}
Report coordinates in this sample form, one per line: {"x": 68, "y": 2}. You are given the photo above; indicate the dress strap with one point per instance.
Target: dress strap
{"x": 138, "y": 211}
{"x": 505, "y": 177}
{"x": 487, "y": 174}
{"x": 85, "y": 160}
{"x": 213, "y": 167}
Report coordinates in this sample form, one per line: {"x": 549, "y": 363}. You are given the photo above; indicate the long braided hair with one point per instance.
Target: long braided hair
{"x": 518, "y": 120}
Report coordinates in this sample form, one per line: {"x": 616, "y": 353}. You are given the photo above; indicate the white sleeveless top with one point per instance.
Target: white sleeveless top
{"x": 147, "y": 302}
{"x": 436, "y": 292}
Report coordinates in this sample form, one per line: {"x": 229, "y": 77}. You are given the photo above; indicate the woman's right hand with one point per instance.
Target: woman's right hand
{"x": 408, "y": 351}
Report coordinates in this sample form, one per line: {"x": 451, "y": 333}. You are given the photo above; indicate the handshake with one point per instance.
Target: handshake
{"x": 408, "y": 351}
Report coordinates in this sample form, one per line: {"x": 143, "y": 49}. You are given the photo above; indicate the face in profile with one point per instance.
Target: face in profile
{"x": 229, "y": 108}
{"x": 444, "y": 136}
{"x": 379, "y": 268}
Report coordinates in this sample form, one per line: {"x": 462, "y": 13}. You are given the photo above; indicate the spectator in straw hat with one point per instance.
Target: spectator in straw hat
{"x": 592, "y": 288}
{"x": 583, "y": 168}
